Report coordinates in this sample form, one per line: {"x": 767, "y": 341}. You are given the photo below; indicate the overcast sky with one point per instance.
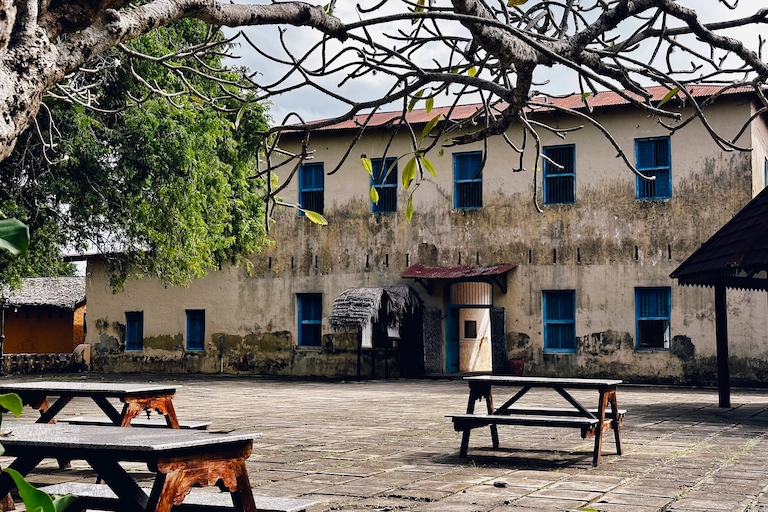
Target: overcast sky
{"x": 312, "y": 104}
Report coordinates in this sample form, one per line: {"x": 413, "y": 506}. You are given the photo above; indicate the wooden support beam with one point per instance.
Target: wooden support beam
{"x": 721, "y": 336}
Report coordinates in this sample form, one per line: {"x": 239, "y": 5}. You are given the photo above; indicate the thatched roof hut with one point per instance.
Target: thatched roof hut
{"x": 356, "y": 307}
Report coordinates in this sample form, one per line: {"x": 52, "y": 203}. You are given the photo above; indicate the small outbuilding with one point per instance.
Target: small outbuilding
{"x": 45, "y": 316}
{"x": 388, "y": 322}
{"x": 735, "y": 257}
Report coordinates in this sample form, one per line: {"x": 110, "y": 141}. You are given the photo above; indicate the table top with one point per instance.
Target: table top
{"x": 509, "y": 380}
{"x": 86, "y": 388}
{"x": 20, "y": 436}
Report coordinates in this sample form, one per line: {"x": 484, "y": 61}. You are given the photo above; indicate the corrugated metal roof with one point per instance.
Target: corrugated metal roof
{"x": 62, "y": 292}
{"x": 573, "y": 101}
{"x": 741, "y": 244}
{"x": 419, "y": 271}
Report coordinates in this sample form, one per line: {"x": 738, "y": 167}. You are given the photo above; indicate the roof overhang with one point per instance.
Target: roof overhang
{"x": 427, "y": 276}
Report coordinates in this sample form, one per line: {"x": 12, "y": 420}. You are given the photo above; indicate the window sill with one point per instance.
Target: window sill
{"x": 650, "y": 350}
{"x": 309, "y": 348}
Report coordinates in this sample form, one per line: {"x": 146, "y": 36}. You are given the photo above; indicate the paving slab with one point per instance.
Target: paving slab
{"x": 387, "y": 445}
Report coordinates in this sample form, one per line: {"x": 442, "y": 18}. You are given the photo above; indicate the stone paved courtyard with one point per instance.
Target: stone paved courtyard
{"x": 387, "y": 446}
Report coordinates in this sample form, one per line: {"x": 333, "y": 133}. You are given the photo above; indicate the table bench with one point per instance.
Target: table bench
{"x": 137, "y": 422}
{"x": 136, "y": 398}
{"x": 179, "y": 460}
{"x": 92, "y": 496}
{"x": 591, "y": 422}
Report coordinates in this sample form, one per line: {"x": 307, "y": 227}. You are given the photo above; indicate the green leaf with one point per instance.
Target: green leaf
{"x": 431, "y": 124}
{"x": 62, "y": 502}
{"x": 430, "y": 103}
{"x": 671, "y": 94}
{"x": 409, "y": 209}
{"x": 315, "y": 217}
{"x": 367, "y": 165}
{"x": 472, "y": 71}
{"x": 428, "y": 166}
{"x": 420, "y": 6}
{"x": 240, "y": 113}
{"x": 374, "y": 195}
{"x": 454, "y": 71}
{"x": 32, "y": 497}
{"x": 415, "y": 98}
{"x": 14, "y": 236}
{"x": 11, "y": 402}
{"x": 409, "y": 172}
{"x": 441, "y": 152}
{"x": 585, "y": 95}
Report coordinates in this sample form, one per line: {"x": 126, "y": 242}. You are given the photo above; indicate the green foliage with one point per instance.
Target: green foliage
{"x": 36, "y": 500}
{"x": 14, "y": 236}
{"x": 171, "y": 188}
{"x": 12, "y": 403}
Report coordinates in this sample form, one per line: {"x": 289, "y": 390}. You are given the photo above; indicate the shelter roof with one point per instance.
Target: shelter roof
{"x": 571, "y": 101}
{"x": 356, "y": 307}
{"x": 737, "y": 255}
{"x": 61, "y": 292}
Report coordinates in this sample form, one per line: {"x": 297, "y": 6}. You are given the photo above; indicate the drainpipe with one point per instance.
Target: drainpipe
{"x": 221, "y": 354}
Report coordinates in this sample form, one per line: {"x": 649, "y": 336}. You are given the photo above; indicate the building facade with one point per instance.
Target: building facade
{"x": 45, "y": 316}
{"x": 580, "y": 288}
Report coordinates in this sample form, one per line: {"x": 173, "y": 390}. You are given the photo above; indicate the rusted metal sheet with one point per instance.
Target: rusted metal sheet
{"x": 472, "y": 293}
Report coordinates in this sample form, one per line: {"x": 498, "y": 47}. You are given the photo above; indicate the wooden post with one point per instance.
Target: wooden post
{"x": 359, "y": 351}
{"x": 721, "y": 335}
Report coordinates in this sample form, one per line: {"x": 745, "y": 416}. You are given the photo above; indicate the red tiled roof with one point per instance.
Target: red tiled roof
{"x": 572, "y": 101}
{"x": 741, "y": 244}
{"x": 419, "y": 271}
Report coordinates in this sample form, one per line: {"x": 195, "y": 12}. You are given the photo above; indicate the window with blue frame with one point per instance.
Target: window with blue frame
{"x": 384, "y": 180}
{"x": 652, "y": 311}
{"x": 310, "y": 318}
{"x": 765, "y": 172}
{"x": 560, "y": 174}
{"x": 134, "y": 330}
{"x": 312, "y": 187}
{"x": 195, "y": 329}
{"x": 653, "y": 158}
{"x": 559, "y": 320}
{"x": 467, "y": 180}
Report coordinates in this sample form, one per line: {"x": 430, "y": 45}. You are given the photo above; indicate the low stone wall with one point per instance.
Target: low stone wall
{"x": 37, "y": 363}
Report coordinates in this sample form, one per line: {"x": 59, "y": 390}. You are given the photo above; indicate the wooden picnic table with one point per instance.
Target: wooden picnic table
{"x": 136, "y": 398}
{"x": 180, "y": 459}
{"x": 592, "y": 422}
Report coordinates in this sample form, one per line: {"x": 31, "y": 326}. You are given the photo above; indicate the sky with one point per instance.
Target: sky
{"x": 312, "y": 104}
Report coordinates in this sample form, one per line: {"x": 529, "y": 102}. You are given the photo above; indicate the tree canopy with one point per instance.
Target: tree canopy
{"x": 116, "y": 53}
{"x": 165, "y": 188}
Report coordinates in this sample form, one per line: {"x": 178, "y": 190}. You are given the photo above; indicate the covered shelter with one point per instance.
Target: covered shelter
{"x": 735, "y": 257}
{"x": 382, "y": 317}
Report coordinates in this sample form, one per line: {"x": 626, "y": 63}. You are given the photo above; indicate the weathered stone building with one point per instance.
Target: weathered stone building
{"x": 580, "y": 289}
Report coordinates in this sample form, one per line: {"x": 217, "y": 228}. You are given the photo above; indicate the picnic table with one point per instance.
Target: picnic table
{"x": 136, "y": 398}
{"x": 179, "y": 459}
{"x": 592, "y": 422}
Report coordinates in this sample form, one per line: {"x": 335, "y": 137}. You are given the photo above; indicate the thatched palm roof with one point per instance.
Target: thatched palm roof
{"x": 356, "y": 307}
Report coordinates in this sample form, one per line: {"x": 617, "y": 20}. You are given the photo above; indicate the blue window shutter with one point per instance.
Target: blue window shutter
{"x": 195, "y": 329}
{"x": 468, "y": 180}
{"x": 310, "y": 313}
{"x": 560, "y": 182}
{"x": 653, "y": 158}
{"x": 559, "y": 320}
{"x": 384, "y": 179}
{"x": 134, "y": 330}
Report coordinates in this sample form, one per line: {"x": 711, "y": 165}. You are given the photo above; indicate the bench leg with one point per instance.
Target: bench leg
{"x": 616, "y": 423}
{"x": 599, "y": 430}
{"x": 464, "y": 443}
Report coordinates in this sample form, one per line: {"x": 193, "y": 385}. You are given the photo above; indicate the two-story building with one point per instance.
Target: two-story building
{"x": 580, "y": 288}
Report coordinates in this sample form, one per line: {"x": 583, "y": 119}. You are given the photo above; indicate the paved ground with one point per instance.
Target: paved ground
{"x": 387, "y": 446}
